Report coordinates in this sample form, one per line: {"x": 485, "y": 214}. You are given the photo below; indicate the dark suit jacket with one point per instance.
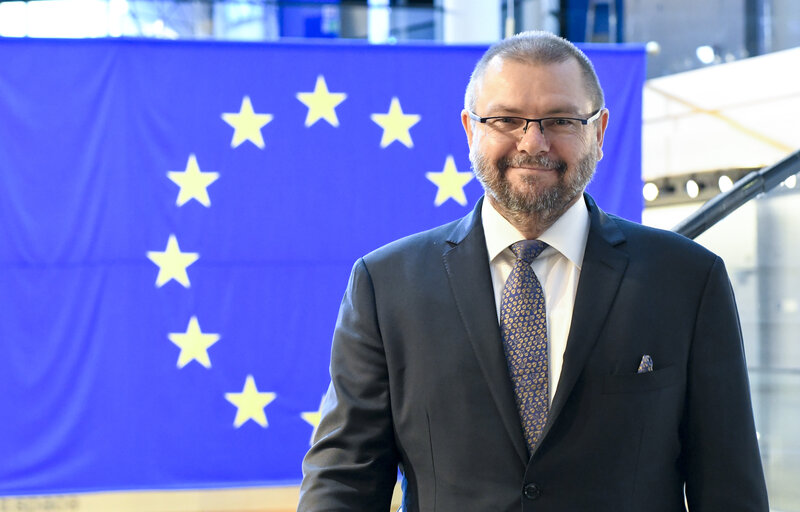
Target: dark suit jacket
{"x": 419, "y": 379}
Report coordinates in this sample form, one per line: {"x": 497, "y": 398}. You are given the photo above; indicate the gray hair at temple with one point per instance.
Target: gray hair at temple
{"x": 536, "y": 47}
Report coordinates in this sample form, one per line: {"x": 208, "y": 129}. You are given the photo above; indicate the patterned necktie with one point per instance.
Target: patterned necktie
{"x": 524, "y": 329}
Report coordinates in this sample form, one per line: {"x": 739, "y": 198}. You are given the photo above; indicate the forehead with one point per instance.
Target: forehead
{"x": 533, "y": 88}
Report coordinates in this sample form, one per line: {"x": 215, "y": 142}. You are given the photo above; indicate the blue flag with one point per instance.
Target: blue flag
{"x": 177, "y": 225}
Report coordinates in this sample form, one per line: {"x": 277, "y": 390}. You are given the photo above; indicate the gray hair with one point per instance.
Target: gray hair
{"x": 536, "y": 47}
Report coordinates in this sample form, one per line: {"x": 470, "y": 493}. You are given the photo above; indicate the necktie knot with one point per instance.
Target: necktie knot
{"x": 527, "y": 250}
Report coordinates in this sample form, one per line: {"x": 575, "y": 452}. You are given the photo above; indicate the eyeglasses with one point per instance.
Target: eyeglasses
{"x": 513, "y": 126}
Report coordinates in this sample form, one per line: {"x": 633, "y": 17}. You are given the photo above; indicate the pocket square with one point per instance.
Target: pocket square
{"x": 646, "y": 365}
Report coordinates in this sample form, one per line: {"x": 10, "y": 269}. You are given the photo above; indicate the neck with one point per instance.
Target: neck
{"x": 531, "y": 224}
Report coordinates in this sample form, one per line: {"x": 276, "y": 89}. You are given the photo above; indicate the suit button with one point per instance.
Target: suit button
{"x": 532, "y": 491}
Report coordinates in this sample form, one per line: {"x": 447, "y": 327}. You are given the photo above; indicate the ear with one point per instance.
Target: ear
{"x": 467, "y": 122}
{"x": 600, "y": 132}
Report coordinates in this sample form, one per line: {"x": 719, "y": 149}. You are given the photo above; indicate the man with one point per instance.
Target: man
{"x": 603, "y": 371}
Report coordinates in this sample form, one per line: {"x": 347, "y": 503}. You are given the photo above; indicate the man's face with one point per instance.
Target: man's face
{"x": 534, "y": 173}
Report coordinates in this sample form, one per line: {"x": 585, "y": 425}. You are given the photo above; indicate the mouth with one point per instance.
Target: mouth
{"x": 533, "y": 166}
{"x": 531, "y": 169}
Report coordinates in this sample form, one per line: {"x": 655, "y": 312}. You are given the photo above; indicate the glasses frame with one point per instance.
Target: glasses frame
{"x": 594, "y": 117}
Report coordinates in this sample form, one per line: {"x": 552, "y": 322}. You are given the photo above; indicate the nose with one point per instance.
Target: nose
{"x": 533, "y": 140}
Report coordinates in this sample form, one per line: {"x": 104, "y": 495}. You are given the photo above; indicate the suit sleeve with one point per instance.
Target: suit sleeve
{"x": 721, "y": 455}
{"x": 352, "y": 464}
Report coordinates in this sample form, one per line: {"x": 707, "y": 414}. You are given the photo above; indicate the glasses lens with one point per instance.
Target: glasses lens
{"x": 506, "y": 125}
{"x": 560, "y": 126}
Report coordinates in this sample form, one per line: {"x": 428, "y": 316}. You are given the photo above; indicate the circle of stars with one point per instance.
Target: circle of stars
{"x": 193, "y": 183}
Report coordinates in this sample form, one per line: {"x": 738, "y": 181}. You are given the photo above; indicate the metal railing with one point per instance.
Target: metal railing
{"x": 753, "y": 184}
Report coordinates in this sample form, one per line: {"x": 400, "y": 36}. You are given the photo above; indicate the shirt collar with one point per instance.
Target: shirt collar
{"x": 567, "y": 235}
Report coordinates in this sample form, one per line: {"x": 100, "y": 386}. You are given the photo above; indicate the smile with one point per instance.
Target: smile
{"x": 530, "y": 170}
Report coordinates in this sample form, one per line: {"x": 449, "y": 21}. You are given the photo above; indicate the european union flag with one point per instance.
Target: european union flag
{"x": 177, "y": 225}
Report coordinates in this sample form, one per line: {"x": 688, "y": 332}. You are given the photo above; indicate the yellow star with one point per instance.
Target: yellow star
{"x": 193, "y": 183}
{"x": 396, "y": 125}
{"x": 193, "y": 343}
{"x": 313, "y": 418}
{"x": 247, "y": 124}
{"x": 250, "y": 404}
{"x": 172, "y": 263}
{"x": 321, "y": 103}
{"x": 450, "y": 182}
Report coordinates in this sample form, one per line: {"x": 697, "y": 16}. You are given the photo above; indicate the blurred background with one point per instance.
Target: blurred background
{"x": 721, "y": 100}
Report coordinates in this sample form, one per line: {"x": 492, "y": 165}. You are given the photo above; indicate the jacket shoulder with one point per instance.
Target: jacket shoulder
{"x": 424, "y": 244}
{"x": 411, "y": 247}
{"x": 659, "y": 243}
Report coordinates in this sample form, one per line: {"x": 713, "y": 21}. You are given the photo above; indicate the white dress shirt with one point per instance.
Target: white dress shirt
{"x": 558, "y": 268}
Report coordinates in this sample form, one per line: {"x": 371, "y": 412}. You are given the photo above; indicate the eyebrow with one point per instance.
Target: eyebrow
{"x": 563, "y": 109}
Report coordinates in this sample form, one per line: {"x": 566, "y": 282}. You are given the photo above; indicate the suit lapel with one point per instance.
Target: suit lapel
{"x": 601, "y": 274}
{"x": 467, "y": 264}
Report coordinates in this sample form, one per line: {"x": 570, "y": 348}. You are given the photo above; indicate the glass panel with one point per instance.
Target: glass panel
{"x": 760, "y": 244}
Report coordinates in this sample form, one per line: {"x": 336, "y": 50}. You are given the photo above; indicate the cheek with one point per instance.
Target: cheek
{"x": 481, "y": 147}
{"x": 493, "y": 149}
{"x": 574, "y": 151}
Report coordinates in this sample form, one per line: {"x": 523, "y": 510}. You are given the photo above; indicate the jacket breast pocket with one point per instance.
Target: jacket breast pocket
{"x": 641, "y": 382}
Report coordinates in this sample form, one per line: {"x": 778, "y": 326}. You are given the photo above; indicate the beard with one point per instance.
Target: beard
{"x": 532, "y": 197}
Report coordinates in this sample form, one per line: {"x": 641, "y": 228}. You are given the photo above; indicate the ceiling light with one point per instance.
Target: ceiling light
{"x": 725, "y": 183}
{"x": 650, "y": 191}
{"x": 692, "y": 189}
{"x": 705, "y": 54}
{"x": 652, "y": 48}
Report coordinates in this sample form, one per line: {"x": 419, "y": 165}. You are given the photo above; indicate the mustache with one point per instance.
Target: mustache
{"x": 532, "y": 161}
